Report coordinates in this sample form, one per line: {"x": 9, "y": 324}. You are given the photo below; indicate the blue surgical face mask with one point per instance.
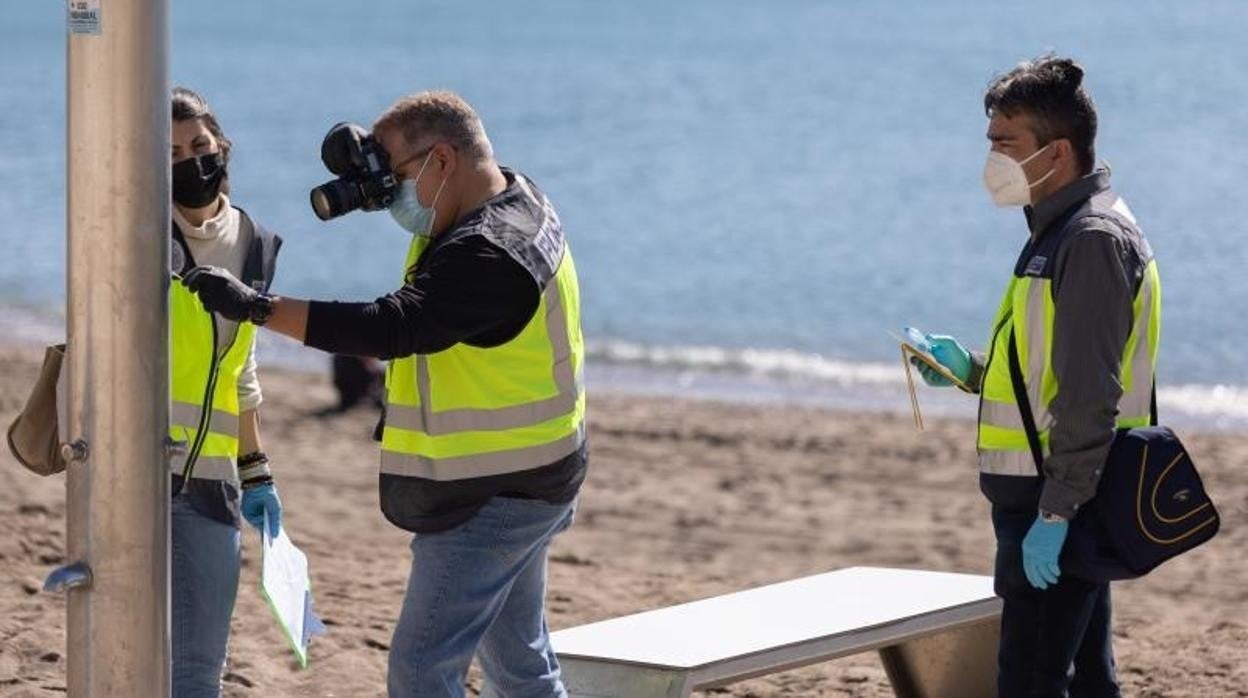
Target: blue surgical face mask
{"x": 406, "y": 209}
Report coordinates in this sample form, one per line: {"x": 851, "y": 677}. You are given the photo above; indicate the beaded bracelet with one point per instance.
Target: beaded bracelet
{"x": 255, "y": 482}
{"x": 253, "y": 470}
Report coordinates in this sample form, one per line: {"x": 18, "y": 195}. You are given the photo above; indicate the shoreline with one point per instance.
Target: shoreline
{"x": 684, "y": 499}
{"x": 759, "y": 377}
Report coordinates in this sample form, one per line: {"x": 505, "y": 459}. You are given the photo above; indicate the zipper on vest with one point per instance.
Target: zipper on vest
{"x": 206, "y": 409}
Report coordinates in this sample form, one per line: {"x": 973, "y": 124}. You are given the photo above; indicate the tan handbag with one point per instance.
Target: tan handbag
{"x": 33, "y": 436}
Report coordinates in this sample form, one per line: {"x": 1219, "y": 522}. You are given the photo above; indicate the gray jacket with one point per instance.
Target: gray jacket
{"x": 1097, "y": 269}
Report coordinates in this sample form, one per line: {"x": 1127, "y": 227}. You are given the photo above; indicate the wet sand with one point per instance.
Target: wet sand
{"x": 684, "y": 500}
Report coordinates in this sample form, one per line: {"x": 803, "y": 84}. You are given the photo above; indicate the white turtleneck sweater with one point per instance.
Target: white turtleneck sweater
{"x": 220, "y": 242}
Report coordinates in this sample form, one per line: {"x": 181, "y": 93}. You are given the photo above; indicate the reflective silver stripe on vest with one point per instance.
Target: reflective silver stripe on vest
{"x": 1123, "y": 210}
{"x": 1001, "y": 414}
{"x": 1037, "y": 358}
{"x": 1005, "y": 414}
{"x": 569, "y": 385}
{"x": 1137, "y": 402}
{"x": 187, "y": 415}
{"x": 1007, "y": 463}
{"x": 502, "y": 418}
{"x": 481, "y": 465}
{"x": 208, "y": 468}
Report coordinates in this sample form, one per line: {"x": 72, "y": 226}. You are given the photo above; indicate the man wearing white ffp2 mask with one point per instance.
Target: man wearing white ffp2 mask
{"x": 1006, "y": 178}
{"x": 1076, "y": 335}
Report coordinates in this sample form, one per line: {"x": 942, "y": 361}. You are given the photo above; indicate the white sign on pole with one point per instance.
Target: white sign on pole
{"x": 84, "y": 17}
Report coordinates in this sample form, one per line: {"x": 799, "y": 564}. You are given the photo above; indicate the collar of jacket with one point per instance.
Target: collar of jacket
{"x": 1042, "y": 215}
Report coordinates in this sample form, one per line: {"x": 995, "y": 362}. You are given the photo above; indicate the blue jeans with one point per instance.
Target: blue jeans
{"x": 480, "y": 588}
{"x": 204, "y": 562}
{"x": 1055, "y": 642}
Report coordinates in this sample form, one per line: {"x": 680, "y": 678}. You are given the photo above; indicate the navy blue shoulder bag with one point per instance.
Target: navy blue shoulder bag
{"x": 1150, "y": 504}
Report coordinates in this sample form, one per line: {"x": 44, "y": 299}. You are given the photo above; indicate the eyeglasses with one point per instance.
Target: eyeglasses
{"x": 397, "y": 168}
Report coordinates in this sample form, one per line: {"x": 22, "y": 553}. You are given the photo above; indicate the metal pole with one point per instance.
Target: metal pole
{"x": 118, "y": 382}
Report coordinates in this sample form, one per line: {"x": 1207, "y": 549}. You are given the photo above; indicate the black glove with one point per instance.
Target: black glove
{"x": 223, "y": 294}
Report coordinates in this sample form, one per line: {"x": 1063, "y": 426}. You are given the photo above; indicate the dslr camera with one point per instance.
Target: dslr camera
{"x": 364, "y": 177}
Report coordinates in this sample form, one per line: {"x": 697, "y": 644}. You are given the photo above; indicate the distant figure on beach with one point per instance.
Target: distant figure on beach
{"x": 216, "y": 400}
{"x": 359, "y": 380}
{"x": 1082, "y": 314}
{"x": 483, "y": 447}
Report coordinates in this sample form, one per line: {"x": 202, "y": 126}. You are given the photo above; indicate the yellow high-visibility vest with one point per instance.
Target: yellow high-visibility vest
{"x": 204, "y": 388}
{"x": 204, "y": 382}
{"x": 470, "y": 412}
{"x": 1027, "y": 311}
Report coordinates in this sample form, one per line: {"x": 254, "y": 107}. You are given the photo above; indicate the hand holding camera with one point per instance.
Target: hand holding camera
{"x": 365, "y": 180}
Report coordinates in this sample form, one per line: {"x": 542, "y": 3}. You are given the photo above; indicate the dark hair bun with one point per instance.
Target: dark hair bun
{"x": 1067, "y": 72}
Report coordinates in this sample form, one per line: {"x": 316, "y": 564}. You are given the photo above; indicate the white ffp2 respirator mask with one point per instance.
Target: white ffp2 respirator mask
{"x": 1006, "y": 181}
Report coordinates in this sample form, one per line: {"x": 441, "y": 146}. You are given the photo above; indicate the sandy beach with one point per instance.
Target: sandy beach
{"x": 684, "y": 500}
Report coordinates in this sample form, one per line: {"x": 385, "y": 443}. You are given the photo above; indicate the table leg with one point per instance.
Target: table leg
{"x": 957, "y": 663}
{"x": 590, "y": 679}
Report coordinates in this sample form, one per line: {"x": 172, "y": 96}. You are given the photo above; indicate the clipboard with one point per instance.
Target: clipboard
{"x": 915, "y": 346}
{"x": 285, "y": 587}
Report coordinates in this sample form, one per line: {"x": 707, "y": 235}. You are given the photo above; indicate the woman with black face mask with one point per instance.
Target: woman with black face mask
{"x": 224, "y": 475}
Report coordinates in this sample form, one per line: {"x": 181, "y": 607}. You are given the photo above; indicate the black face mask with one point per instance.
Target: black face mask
{"x": 197, "y": 180}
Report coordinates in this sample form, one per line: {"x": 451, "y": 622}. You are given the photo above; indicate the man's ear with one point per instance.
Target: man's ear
{"x": 447, "y": 157}
{"x": 1064, "y": 151}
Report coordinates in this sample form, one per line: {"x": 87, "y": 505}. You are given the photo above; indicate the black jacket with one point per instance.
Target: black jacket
{"x": 471, "y": 286}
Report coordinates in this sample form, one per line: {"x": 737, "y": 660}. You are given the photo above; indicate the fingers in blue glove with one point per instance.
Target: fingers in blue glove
{"x": 1042, "y": 548}
{"x": 949, "y": 352}
{"x": 1050, "y": 572}
{"x": 256, "y": 519}
{"x": 930, "y": 375}
{"x": 1041, "y": 575}
{"x": 259, "y": 501}
{"x": 1033, "y": 578}
{"x": 275, "y": 521}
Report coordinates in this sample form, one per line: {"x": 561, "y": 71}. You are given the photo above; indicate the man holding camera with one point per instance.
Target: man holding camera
{"x": 483, "y": 442}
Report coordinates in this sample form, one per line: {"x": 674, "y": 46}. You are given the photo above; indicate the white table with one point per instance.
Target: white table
{"x": 936, "y": 632}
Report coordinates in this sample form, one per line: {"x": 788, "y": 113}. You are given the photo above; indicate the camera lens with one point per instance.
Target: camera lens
{"x": 334, "y": 198}
{"x": 363, "y": 168}
{"x": 320, "y": 204}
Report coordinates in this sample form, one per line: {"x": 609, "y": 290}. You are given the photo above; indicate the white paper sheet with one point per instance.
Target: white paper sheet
{"x": 285, "y": 585}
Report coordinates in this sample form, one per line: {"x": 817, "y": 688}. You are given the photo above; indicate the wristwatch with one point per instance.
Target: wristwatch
{"x": 260, "y": 310}
{"x": 1050, "y": 517}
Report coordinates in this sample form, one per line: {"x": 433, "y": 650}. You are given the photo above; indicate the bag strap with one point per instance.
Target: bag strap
{"x": 1029, "y": 421}
{"x": 1152, "y": 405}
{"x": 1024, "y": 407}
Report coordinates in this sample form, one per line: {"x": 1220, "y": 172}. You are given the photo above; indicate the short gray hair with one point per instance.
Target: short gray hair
{"x": 439, "y": 114}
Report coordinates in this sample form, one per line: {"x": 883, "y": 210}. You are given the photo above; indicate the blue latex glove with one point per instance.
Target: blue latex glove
{"x": 930, "y": 376}
{"x": 1041, "y": 548}
{"x": 950, "y": 354}
{"x": 259, "y": 500}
